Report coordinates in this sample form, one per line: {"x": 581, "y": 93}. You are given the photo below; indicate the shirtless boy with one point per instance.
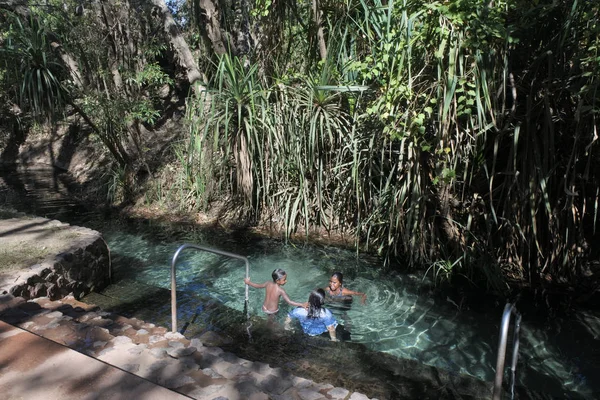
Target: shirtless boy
{"x": 273, "y": 291}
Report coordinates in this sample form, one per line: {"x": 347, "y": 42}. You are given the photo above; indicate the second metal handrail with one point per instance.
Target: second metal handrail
{"x": 174, "y": 280}
{"x": 509, "y": 310}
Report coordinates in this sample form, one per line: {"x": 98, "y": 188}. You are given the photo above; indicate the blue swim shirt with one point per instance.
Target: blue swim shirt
{"x": 313, "y": 326}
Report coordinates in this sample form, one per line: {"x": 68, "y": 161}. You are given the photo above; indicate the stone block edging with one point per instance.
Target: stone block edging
{"x": 81, "y": 266}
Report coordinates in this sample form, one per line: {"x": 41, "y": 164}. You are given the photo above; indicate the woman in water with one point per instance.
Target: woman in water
{"x": 337, "y": 292}
{"x": 316, "y": 320}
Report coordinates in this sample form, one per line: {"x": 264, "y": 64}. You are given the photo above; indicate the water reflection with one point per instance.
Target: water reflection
{"x": 401, "y": 327}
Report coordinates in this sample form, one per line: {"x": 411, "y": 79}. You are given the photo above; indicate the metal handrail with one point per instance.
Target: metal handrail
{"x": 174, "y": 281}
{"x": 509, "y": 310}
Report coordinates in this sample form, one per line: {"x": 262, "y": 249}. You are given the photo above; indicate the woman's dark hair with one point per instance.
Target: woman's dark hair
{"x": 278, "y": 274}
{"x": 315, "y": 303}
{"x": 339, "y": 277}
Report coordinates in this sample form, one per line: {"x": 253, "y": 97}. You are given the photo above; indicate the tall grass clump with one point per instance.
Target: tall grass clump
{"x": 459, "y": 137}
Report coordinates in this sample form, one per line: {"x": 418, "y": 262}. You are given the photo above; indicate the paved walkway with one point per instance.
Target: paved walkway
{"x": 70, "y": 350}
{"x": 37, "y": 368}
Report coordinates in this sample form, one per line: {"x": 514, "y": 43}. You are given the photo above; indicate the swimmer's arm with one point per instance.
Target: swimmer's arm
{"x": 255, "y": 285}
{"x": 348, "y": 292}
{"x": 290, "y": 302}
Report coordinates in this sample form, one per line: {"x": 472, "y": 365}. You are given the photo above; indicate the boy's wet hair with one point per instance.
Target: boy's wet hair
{"x": 315, "y": 303}
{"x": 339, "y": 276}
{"x": 278, "y": 274}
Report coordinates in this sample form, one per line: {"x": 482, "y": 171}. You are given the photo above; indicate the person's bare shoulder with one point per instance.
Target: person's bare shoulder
{"x": 273, "y": 287}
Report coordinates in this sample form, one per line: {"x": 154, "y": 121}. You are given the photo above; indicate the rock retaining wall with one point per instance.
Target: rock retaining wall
{"x": 83, "y": 266}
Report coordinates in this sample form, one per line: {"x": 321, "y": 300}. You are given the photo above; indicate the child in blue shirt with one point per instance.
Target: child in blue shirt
{"x": 316, "y": 320}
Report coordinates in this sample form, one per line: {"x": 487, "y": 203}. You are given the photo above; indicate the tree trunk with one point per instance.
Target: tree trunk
{"x": 184, "y": 53}
{"x": 212, "y": 26}
{"x": 241, "y": 28}
{"x": 245, "y": 180}
{"x": 114, "y": 60}
{"x": 117, "y": 151}
{"x": 71, "y": 64}
{"x": 317, "y": 20}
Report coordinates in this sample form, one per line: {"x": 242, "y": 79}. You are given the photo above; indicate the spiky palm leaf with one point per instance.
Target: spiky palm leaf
{"x": 41, "y": 89}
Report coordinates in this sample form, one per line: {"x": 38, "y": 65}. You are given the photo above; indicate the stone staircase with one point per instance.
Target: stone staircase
{"x": 168, "y": 359}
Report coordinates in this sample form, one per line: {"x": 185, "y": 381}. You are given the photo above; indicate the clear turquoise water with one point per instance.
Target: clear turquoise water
{"x": 402, "y": 318}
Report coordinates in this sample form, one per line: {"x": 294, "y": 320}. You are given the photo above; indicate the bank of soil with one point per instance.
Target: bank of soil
{"x": 220, "y": 216}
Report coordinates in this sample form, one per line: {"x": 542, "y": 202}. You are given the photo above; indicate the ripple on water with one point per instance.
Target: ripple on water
{"x": 396, "y": 320}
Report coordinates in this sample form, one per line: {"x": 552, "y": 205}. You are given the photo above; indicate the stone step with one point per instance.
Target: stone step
{"x": 315, "y": 358}
{"x": 196, "y": 313}
{"x": 128, "y": 290}
{"x": 102, "y": 301}
{"x": 168, "y": 359}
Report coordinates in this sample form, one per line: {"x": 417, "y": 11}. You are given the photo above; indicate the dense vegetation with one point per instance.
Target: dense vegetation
{"x": 458, "y": 137}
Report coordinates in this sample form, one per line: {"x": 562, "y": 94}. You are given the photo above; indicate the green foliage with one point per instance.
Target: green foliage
{"x": 231, "y": 129}
{"x": 442, "y": 270}
{"x": 261, "y": 8}
{"x": 116, "y": 185}
{"x": 445, "y": 130}
{"x": 151, "y": 77}
{"x": 114, "y": 86}
{"x": 432, "y": 163}
{"x": 27, "y": 52}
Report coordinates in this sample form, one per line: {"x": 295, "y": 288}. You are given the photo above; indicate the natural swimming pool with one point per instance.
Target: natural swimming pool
{"x": 402, "y": 320}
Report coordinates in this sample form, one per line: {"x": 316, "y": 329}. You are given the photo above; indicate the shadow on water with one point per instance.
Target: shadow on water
{"x": 574, "y": 341}
{"x": 44, "y": 193}
{"x": 348, "y": 365}
{"x": 343, "y": 364}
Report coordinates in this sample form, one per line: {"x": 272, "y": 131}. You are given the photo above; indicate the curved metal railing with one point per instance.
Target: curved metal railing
{"x": 509, "y": 310}
{"x": 174, "y": 280}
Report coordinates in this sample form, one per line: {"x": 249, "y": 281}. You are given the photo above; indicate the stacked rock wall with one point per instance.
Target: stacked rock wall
{"x": 81, "y": 267}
